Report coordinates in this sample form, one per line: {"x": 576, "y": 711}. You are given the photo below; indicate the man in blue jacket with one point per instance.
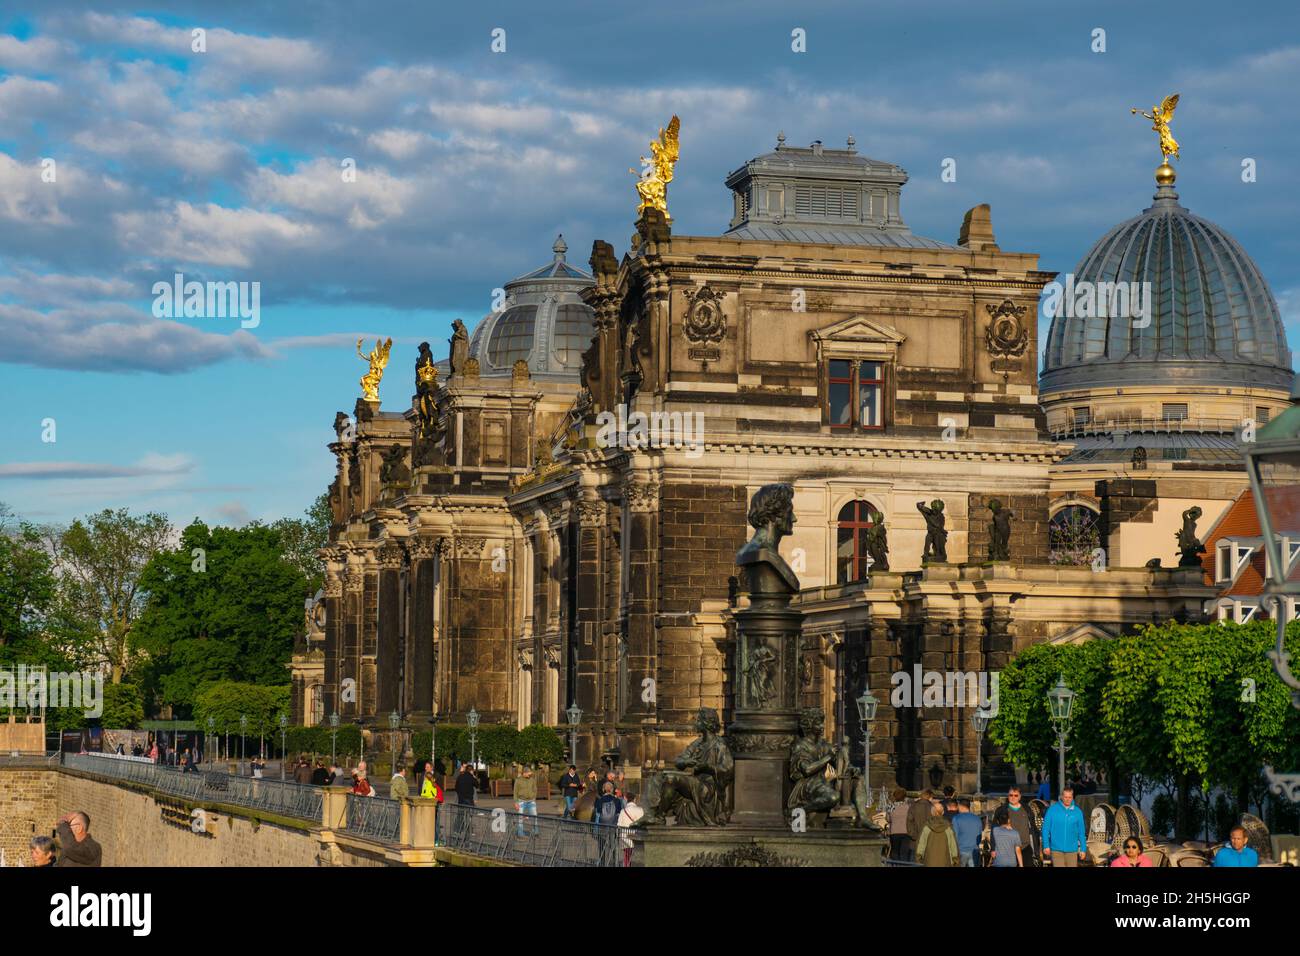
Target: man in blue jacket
{"x": 1236, "y": 853}
{"x": 1064, "y": 832}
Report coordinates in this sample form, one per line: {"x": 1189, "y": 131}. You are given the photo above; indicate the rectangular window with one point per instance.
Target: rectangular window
{"x": 1174, "y": 411}
{"x": 855, "y": 395}
{"x": 776, "y": 202}
{"x": 1261, "y": 415}
{"x": 494, "y": 441}
{"x": 1225, "y": 564}
{"x": 1082, "y": 415}
{"x": 871, "y": 394}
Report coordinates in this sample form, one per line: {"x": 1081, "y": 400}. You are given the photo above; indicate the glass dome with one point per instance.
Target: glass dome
{"x": 1213, "y": 319}
{"x": 545, "y": 322}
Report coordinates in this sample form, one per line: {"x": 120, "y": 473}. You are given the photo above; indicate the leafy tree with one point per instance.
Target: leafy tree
{"x": 225, "y": 605}
{"x": 123, "y": 707}
{"x": 28, "y": 587}
{"x": 100, "y": 562}
{"x": 538, "y": 743}
{"x": 302, "y": 537}
{"x": 227, "y": 701}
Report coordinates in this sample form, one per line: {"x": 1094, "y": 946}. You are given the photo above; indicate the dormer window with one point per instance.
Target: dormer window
{"x": 1230, "y": 557}
{"x": 1289, "y": 545}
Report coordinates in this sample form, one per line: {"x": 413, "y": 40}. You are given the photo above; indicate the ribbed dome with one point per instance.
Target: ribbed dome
{"x": 1213, "y": 318}
{"x": 544, "y": 322}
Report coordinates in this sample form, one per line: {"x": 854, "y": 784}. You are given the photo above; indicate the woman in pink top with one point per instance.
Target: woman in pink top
{"x": 1133, "y": 855}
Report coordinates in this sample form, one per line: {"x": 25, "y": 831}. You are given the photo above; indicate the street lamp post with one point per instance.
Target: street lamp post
{"x": 284, "y": 730}
{"x": 574, "y": 713}
{"x": 1273, "y": 465}
{"x": 243, "y": 732}
{"x": 1060, "y": 701}
{"x": 980, "y": 722}
{"x": 334, "y": 737}
{"x": 212, "y": 731}
{"x": 394, "y": 724}
{"x": 433, "y": 746}
{"x": 867, "y": 705}
{"x": 361, "y": 732}
{"x": 471, "y": 721}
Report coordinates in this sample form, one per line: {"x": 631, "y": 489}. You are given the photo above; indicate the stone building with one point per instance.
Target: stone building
{"x": 554, "y": 519}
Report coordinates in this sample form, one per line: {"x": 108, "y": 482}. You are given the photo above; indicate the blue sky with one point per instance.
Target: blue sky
{"x": 225, "y": 165}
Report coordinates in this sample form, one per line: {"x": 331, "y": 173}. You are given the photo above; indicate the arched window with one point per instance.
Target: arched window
{"x": 851, "y": 546}
{"x": 1073, "y": 535}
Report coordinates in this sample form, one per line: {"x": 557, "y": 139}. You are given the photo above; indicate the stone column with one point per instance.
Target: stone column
{"x": 642, "y": 529}
{"x": 354, "y": 584}
{"x": 766, "y": 715}
{"x": 388, "y": 656}
{"x": 333, "y": 588}
{"x": 580, "y": 679}
{"x": 424, "y": 587}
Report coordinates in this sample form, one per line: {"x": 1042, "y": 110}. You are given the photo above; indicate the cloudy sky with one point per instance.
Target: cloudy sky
{"x": 226, "y": 165}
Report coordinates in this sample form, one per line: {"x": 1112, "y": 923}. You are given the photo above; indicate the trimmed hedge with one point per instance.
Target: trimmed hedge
{"x": 497, "y": 743}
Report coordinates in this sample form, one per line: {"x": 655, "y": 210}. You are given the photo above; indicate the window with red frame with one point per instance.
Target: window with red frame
{"x": 851, "y": 550}
{"x": 855, "y": 395}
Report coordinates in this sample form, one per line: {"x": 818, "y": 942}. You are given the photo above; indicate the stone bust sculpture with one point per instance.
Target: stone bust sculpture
{"x": 771, "y": 515}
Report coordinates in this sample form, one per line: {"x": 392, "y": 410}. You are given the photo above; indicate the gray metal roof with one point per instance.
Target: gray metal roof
{"x": 835, "y": 235}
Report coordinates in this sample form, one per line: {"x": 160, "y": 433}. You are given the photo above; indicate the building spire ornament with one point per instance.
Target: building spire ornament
{"x": 1160, "y": 117}
{"x": 378, "y": 359}
{"x": 657, "y": 171}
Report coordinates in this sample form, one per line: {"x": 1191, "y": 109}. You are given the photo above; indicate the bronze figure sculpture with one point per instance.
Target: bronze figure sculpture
{"x": 936, "y": 536}
{"x": 771, "y": 515}
{"x": 459, "y": 356}
{"x": 1000, "y": 531}
{"x": 877, "y": 542}
{"x": 1189, "y": 545}
{"x": 823, "y": 777}
{"x": 698, "y": 792}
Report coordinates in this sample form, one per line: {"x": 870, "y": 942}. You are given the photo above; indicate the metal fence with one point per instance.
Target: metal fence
{"x": 528, "y": 839}
{"x": 285, "y": 799}
{"x": 375, "y": 817}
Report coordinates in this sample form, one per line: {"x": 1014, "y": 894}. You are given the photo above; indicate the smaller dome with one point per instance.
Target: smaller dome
{"x": 544, "y": 323}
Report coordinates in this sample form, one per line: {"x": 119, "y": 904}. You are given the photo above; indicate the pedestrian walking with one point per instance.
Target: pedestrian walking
{"x": 361, "y": 786}
{"x": 320, "y": 776}
{"x": 1065, "y": 833}
{"x": 466, "y": 784}
{"x": 570, "y": 787}
{"x": 1018, "y": 816}
{"x": 937, "y": 845}
{"x": 526, "y": 799}
{"x": 1006, "y": 840}
{"x": 968, "y": 829}
{"x": 900, "y": 844}
{"x": 302, "y": 771}
{"x": 608, "y": 806}
{"x": 627, "y": 819}
{"x": 430, "y": 789}
{"x": 398, "y": 788}
{"x": 918, "y": 814}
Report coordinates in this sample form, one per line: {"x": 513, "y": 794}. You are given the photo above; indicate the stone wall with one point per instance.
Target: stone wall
{"x": 28, "y": 807}
{"x": 1029, "y": 544}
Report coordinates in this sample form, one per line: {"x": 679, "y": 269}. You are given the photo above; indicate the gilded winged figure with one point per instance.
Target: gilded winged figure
{"x": 657, "y": 171}
{"x": 378, "y": 359}
{"x": 1160, "y": 117}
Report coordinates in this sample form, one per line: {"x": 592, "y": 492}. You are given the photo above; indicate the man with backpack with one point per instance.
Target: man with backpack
{"x": 608, "y": 806}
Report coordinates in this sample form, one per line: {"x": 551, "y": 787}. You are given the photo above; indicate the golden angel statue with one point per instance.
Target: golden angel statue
{"x": 1160, "y": 117}
{"x": 657, "y": 171}
{"x": 378, "y": 359}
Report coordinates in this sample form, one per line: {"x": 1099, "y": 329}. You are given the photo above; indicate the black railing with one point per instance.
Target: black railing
{"x": 527, "y": 839}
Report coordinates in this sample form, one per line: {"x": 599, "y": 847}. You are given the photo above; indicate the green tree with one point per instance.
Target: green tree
{"x": 538, "y": 743}
{"x": 28, "y": 588}
{"x": 226, "y": 701}
{"x": 123, "y": 707}
{"x": 302, "y": 537}
{"x": 225, "y": 605}
{"x": 100, "y": 561}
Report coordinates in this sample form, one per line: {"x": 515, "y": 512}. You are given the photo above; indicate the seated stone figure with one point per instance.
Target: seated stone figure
{"x": 697, "y": 792}
{"x": 823, "y": 776}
